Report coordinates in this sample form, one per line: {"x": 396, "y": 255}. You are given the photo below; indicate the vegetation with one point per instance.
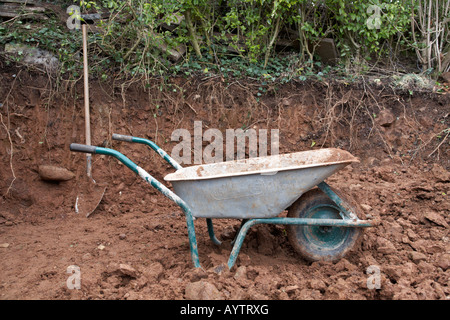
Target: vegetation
{"x": 240, "y": 38}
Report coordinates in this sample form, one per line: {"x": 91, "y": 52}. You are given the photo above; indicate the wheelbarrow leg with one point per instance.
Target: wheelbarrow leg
{"x": 240, "y": 227}
{"x": 189, "y": 219}
{"x": 160, "y": 187}
{"x": 246, "y": 225}
{"x": 290, "y": 221}
{"x": 346, "y": 210}
{"x": 154, "y": 183}
{"x": 211, "y": 232}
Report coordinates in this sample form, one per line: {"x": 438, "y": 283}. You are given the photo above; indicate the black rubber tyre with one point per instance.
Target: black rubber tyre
{"x": 318, "y": 243}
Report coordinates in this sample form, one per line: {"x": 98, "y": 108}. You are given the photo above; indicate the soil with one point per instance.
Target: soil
{"x": 134, "y": 245}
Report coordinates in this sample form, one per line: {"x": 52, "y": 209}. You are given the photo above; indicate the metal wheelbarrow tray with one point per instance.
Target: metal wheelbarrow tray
{"x": 321, "y": 223}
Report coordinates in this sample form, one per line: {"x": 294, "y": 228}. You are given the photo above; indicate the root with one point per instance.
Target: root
{"x": 10, "y": 156}
{"x": 439, "y": 145}
{"x": 7, "y": 128}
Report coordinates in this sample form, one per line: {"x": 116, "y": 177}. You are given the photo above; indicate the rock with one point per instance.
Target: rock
{"x": 434, "y": 249}
{"x": 317, "y": 284}
{"x": 419, "y": 245}
{"x": 443, "y": 261}
{"x": 122, "y": 236}
{"x": 385, "y": 118}
{"x": 286, "y": 102}
{"x": 218, "y": 269}
{"x": 308, "y": 294}
{"x": 426, "y": 291}
{"x": 416, "y": 257}
{"x": 337, "y": 290}
{"x": 228, "y": 233}
{"x": 53, "y": 173}
{"x": 385, "y": 174}
{"x": 8, "y": 216}
{"x": 290, "y": 289}
{"x": 386, "y": 250}
{"x": 202, "y": 290}
{"x": 326, "y": 50}
{"x": 412, "y": 235}
{"x": 344, "y": 264}
{"x": 405, "y": 293}
{"x": 366, "y": 208}
{"x": 35, "y": 56}
{"x": 395, "y": 230}
{"x": 440, "y": 174}
{"x": 128, "y": 270}
{"x": 425, "y": 267}
{"x": 101, "y": 247}
{"x": 244, "y": 259}
{"x": 241, "y": 277}
{"x": 241, "y": 273}
{"x": 436, "y": 218}
{"x": 154, "y": 272}
{"x": 198, "y": 274}
{"x": 385, "y": 246}
{"x": 393, "y": 272}
{"x": 4, "y": 245}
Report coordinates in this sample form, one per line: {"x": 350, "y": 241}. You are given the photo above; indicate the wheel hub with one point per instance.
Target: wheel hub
{"x": 325, "y": 237}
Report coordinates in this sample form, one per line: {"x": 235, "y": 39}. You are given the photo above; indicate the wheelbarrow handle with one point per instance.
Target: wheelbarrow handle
{"x": 122, "y": 137}
{"x": 134, "y": 167}
{"x": 154, "y": 183}
{"x": 151, "y": 144}
{"x": 82, "y": 148}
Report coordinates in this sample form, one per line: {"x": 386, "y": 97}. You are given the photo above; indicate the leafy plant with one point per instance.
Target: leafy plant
{"x": 238, "y": 38}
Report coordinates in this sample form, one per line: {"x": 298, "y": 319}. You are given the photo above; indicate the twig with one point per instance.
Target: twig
{"x": 192, "y": 108}
{"x": 440, "y": 143}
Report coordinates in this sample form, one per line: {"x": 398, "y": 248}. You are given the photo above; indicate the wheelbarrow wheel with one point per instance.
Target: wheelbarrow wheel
{"x": 320, "y": 243}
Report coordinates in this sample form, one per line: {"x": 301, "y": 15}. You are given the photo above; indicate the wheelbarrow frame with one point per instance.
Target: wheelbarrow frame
{"x": 349, "y": 218}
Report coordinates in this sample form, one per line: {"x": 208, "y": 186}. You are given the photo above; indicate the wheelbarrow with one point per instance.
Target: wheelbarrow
{"x": 322, "y": 225}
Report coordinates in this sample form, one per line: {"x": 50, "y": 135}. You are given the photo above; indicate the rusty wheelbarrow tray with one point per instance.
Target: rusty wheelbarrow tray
{"x": 323, "y": 227}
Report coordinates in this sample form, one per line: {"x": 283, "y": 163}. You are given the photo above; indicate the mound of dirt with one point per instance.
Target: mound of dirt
{"x": 135, "y": 244}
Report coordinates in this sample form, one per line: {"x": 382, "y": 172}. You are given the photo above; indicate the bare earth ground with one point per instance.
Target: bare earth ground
{"x": 135, "y": 244}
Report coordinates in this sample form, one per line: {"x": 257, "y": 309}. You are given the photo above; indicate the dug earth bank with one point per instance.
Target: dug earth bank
{"x": 135, "y": 244}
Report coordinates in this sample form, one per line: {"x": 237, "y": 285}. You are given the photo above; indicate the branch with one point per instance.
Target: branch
{"x": 272, "y": 41}
{"x": 190, "y": 26}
